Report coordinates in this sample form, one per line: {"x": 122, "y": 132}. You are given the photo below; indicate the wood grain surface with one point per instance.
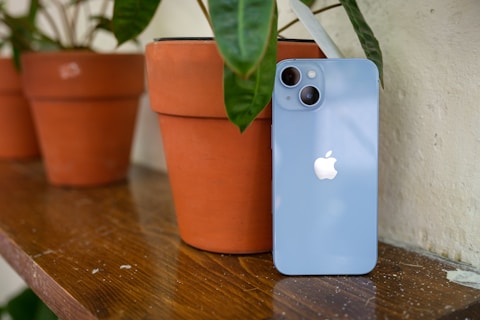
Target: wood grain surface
{"x": 113, "y": 252}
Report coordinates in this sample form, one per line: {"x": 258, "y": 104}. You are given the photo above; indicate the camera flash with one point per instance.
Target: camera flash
{"x": 311, "y": 74}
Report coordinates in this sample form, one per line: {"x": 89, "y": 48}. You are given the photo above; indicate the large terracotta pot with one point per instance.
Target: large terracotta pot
{"x": 18, "y": 139}
{"x": 84, "y": 107}
{"x": 220, "y": 178}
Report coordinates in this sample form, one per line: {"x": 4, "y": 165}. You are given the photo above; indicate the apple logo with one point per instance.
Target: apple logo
{"x": 325, "y": 167}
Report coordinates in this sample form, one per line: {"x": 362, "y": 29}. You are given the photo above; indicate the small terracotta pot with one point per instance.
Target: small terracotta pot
{"x": 84, "y": 107}
{"x": 18, "y": 139}
{"x": 220, "y": 178}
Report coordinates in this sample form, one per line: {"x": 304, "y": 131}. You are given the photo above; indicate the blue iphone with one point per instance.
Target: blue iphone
{"x": 325, "y": 166}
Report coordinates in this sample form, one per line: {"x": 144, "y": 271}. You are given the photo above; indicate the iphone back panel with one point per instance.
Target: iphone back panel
{"x": 325, "y": 166}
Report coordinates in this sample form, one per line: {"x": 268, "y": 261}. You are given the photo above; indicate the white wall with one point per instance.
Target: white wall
{"x": 10, "y": 282}
{"x": 430, "y": 170}
{"x": 188, "y": 21}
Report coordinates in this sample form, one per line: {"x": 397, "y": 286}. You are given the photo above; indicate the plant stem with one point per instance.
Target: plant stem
{"x": 73, "y": 22}
{"x": 52, "y": 24}
{"x": 91, "y": 33}
{"x": 291, "y": 23}
{"x": 205, "y": 12}
{"x": 66, "y": 22}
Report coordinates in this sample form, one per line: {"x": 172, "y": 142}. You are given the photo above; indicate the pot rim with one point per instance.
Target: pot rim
{"x": 167, "y": 53}
{"x": 161, "y": 39}
{"x": 80, "y": 53}
{"x": 82, "y": 74}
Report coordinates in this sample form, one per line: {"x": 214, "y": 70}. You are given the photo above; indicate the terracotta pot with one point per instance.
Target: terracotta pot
{"x": 84, "y": 107}
{"x": 220, "y": 178}
{"x": 17, "y": 133}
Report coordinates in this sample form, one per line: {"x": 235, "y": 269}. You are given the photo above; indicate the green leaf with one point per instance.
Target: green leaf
{"x": 27, "y": 305}
{"x": 242, "y": 29}
{"x": 17, "y": 307}
{"x": 245, "y": 98}
{"x": 44, "y": 313}
{"x": 21, "y": 30}
{"x": 131, "y": 17}
{"x": 365, "y": 34}
{"x": 308, "y": 3}
{"x": 102, "y": 23}
{"x": 33, "y": 10}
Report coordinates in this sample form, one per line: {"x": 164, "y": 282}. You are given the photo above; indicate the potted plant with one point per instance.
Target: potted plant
{"x": 221, "y": 176}
{"x": 17, "y": 133}
{"x": 84, "y": 102}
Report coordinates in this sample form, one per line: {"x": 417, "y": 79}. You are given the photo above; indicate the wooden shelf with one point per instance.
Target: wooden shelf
{"x": 114, "y": 253}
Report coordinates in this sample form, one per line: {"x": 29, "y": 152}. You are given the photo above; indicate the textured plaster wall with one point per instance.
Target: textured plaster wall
{"x": 430, "y": 126}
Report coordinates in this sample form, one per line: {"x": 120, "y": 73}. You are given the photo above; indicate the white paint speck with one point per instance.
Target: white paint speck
{"x": 125, "y": 266}
{"x": 69, "y": 70}
{"x": 465, "y": 278}
{"x": 95, "y": 270}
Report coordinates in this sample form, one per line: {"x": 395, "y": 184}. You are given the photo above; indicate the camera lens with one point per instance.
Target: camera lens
{"x": 290, "y": 76}
{"x": 309, "y": 95}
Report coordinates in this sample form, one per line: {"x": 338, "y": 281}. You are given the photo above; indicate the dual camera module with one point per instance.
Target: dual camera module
{"x": 308, "y": 95}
